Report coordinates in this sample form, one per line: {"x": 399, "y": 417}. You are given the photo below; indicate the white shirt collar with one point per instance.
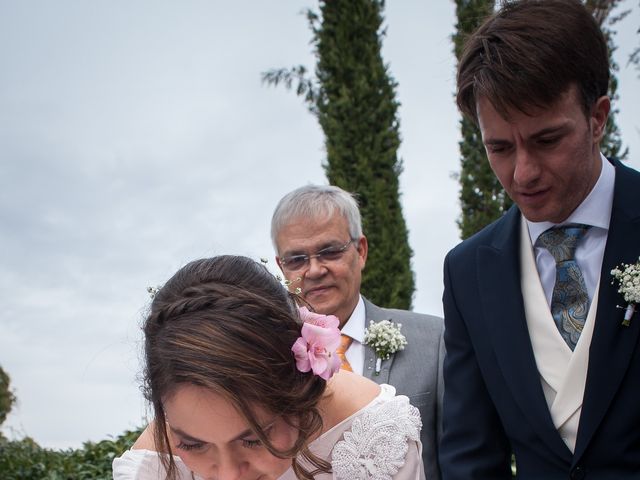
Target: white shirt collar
{"x": 356, "y": 324}
{"x": 595, "y": 209}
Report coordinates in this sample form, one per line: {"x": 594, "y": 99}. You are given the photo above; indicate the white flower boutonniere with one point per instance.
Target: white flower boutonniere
{"x": 385, "y": 339}
{"x": 628, "y": 277}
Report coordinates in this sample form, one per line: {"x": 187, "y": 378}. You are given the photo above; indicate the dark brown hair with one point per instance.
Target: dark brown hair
{"x": 529, "y": 53}
{"x": 226, "y": 324}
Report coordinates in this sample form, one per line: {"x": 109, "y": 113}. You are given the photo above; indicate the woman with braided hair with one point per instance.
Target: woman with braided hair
{"x": 245, "y": 385}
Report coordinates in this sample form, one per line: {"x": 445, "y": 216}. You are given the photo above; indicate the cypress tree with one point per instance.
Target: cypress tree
{"x": 482, "y": 198}
{"x": 353, "y": 97}
{"x": 611, "y": 145}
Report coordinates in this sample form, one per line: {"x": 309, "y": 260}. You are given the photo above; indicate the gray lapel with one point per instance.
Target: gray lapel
{"x": 376, "y": 314}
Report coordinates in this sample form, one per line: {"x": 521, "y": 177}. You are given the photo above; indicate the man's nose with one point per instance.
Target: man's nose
{"x": 527, "y": 168}
{"x": 316, "y": 268}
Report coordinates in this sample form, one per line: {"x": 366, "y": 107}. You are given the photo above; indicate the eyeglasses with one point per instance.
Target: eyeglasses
{"x": 324, "y": 256}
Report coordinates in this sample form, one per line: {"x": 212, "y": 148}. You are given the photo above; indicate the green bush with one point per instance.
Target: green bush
{"x": 7, "y": 399}
{"x": 26, "y": 460}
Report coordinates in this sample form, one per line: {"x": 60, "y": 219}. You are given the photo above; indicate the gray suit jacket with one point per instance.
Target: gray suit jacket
{"x": 415, "y": 372}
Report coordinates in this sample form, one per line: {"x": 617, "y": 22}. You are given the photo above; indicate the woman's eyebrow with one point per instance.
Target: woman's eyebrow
{"x": 248, "y": 431}
{"x": 193, "y": 439}
{"x": 240, "y": 436}
{"x": 185, "y": 435}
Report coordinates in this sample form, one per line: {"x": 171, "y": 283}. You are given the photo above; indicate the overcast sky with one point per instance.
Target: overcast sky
{"x": 136, "y": 136}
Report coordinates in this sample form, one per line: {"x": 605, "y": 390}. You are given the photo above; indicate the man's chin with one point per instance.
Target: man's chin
{"x": 539, "y": 215}
{"x": 321, "y": 303}
{"x": 319, "y": 294}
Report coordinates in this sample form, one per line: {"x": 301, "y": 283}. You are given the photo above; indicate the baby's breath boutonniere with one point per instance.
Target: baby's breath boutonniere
{"x": 628, "y": 277}
{"x": 385, "y": 339}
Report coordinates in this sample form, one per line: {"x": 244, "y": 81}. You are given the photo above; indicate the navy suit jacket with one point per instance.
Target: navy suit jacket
{"x": 494, "y": 404}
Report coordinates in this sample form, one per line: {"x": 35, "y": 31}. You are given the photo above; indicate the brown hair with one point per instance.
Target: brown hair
{"x": 529, "y": 53}
{"x": 226, "y": 324}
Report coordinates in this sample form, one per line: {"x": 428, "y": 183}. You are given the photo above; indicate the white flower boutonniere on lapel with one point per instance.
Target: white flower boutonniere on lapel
{"x": 628, "y": 277}
{"x": 385, "y": 339}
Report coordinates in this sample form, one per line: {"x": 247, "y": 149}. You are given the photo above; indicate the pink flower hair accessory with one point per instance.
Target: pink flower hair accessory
{"x": 315, "y": 349}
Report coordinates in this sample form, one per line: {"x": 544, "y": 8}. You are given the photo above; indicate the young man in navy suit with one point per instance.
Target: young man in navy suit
{"x": 539, "y": 364}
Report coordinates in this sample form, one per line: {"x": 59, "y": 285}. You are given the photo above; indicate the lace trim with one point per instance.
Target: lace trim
{"x": 376, "y": 446}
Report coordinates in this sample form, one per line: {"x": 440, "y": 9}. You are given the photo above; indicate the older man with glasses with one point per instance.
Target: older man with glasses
{"x": 320, "y": 248}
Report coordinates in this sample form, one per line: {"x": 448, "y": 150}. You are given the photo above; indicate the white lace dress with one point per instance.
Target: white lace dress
{"x": 379, "y": 442}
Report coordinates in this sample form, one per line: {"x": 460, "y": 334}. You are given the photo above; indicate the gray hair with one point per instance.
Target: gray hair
{"x": 313, "y": 201}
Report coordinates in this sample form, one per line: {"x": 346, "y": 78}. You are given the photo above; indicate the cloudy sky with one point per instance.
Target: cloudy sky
{"x": 136, "y": 136}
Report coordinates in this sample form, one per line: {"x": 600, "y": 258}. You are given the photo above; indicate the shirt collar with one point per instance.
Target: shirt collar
{"x": 356, "y": 323}
{"x": 595, "y": 209}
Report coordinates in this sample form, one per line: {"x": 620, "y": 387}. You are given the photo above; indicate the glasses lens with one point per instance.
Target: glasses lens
{"x": 295, "y": 262}
{"x": 331, "y": 254}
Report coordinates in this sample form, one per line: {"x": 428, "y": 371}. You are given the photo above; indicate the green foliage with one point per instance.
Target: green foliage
{"x": 482, "y": 198}
{"x": 353, "y": 97}
{"x": 611, "y": 145}
{"x": 7, "y": 399}
{"x": 26, "y": 460}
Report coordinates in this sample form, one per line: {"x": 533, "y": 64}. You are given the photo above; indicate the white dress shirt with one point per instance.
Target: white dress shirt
{"x": 355, "y": 329}
{"x": 595, "y": 210}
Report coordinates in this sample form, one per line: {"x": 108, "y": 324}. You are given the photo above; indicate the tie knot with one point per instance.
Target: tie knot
{"x": 561, "y": 242}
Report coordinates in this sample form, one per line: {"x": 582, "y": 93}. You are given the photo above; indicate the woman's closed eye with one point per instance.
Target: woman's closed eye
{"x": 254, "y": 442}
{"x": 189, "y": 447}
{"x": 195, "y": 446}
{"x": 251, "y": 443}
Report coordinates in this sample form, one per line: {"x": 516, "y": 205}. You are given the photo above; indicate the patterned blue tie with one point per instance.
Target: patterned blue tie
{"x": 570, "y": 300}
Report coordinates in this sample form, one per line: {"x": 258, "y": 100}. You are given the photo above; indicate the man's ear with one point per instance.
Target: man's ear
{"x": 599, "y": 115}
{"x": 363, "y": 249}
{"x": 279, "y": 264}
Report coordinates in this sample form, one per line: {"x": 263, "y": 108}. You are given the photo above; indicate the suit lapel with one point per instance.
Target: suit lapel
{"x": 503, "y": 309}
{"x": 613, "y": 344}
{"x": 375, "y": 314}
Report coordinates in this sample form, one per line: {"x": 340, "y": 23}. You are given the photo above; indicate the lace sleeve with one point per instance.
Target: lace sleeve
{"x": 380, "y": 442}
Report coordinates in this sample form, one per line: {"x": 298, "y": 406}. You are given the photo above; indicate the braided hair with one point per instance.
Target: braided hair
{"x": 226, "y": 324}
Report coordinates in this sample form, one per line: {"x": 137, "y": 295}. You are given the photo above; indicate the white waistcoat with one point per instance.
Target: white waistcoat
{"x": 563, "y": 373}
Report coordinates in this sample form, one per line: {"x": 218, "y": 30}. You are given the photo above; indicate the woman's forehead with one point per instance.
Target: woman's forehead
{"x": 206, "y": 415}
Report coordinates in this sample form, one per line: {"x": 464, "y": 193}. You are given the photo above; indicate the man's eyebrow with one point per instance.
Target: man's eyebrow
{"x": 296, "y": 251}
{"x": 293, "y": 253}
{"x": 549, "y": 130}
{"x": 540, "y": 133}
{"x": 496, "y": 141}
